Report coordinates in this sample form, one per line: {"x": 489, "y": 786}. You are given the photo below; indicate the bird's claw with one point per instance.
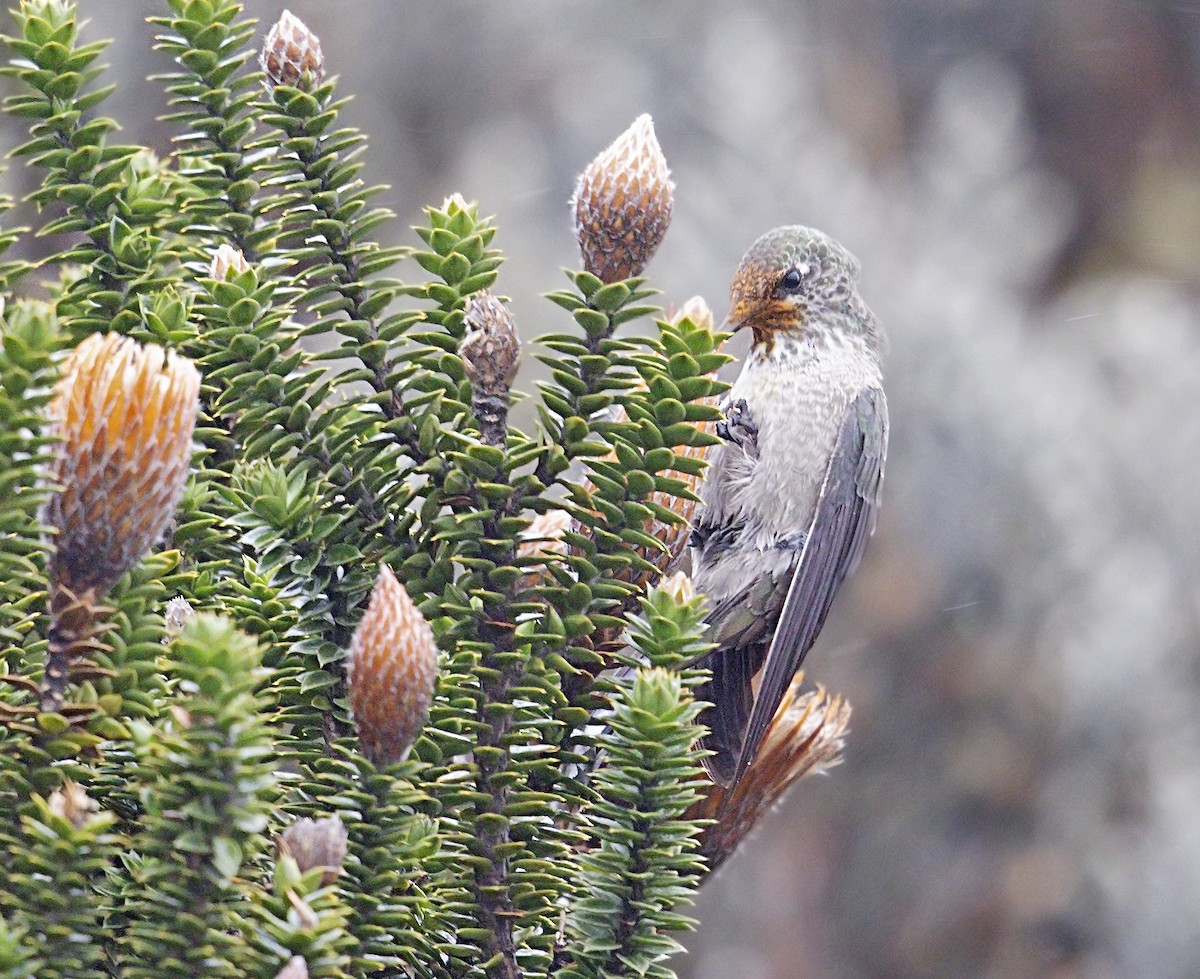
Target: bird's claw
{"x": 738, "y": 426}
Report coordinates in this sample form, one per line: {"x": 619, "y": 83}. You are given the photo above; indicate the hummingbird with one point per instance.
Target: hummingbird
{"x": 792, "y": 490}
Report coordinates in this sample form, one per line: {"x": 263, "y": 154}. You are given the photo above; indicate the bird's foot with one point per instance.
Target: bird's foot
{"x": 738, "y": 425}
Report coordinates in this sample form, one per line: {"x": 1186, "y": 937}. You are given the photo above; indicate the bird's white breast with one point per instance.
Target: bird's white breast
{"x": 797, "y": 393}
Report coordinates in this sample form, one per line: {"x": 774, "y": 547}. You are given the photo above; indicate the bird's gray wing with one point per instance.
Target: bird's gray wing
{"x": 844, "y": 519}
{"x": 740, "y": 626}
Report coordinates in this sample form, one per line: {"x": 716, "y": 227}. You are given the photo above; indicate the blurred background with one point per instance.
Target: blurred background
{"x": 1020, "y": 794}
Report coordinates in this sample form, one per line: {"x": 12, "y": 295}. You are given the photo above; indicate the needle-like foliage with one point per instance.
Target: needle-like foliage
{"x": 331, "y": 712}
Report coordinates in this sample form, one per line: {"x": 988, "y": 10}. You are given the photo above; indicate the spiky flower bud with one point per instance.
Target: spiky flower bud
{"x": 491, "y": 353}
{"x": 296, "y": 968}
{"x": 291, "y": 54}
{"x": 316, "y": 843}
{"x": 392, "y": 667}
{"x": 72, "y": 803}
{"x": 227, "y": 260}
{"x": 124, "y": 415}
{"x": 805, "y": 737}
{"x": 491, "y": 350}
{"x": 623, "y": 204}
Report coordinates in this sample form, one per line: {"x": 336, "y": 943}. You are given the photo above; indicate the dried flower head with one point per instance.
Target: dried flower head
{"x": 316, "y": 843}
{"x": 227, "y": 260}
{"x": 296, "y": 968}
{"x": 72, "y": 803}
{"x": 392, "y": 667}
{"x": 491, "y": 350}
{"x": 623, "y": 204}
{"x": 291, "y": 54}
{"x": 176, "y": 616}
{"x": 805, "y": 737}
{"x": 124, "y": 415}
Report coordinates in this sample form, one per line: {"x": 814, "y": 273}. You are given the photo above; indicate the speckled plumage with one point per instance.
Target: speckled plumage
{"x": 789, "y": 499}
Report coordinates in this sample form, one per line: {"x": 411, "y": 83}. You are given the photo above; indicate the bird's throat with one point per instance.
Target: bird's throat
{"x": 766, "y": 334}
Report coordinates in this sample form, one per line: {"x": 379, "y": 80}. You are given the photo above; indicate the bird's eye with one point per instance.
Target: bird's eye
{"x": 791, "y": 281}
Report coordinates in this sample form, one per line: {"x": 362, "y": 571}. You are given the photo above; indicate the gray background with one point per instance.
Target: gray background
{"x": 1020, "y": 795}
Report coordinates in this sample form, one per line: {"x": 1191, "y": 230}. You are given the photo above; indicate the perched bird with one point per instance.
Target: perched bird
{"x": 791, "y": 493}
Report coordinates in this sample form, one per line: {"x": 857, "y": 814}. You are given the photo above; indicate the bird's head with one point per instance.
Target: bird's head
{"x": 796, "y": 280}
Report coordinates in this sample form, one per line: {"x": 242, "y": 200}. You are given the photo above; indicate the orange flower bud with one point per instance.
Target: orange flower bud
{"x": 623, "y": 204}
{"x": 392, "y": 668}
{"x": 291, "y": 54}
{"x": 124, "y": 415}
{"x": 806, "y": 737}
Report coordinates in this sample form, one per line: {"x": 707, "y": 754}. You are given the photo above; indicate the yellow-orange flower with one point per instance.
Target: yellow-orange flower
{"x": 392, "y": 668}
{"x": 124, "y": 415}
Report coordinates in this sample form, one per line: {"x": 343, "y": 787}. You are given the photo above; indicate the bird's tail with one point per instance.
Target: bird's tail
{"x": 731, "y": 694}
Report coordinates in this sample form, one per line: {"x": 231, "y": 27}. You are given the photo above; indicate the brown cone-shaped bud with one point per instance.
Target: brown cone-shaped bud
{"x": 290, "y": 52}
{"x": 72, "y": 803}
{"x": 543, "y": 538}
{"x": 226, "y": 260}
{"x": 623, "y": 204}
{"x": 392, "y": 668}
{"x": 491, "y": 353}
{"x": 296, "y": 968}
{"x": 491, "y": 350}
{"x": 316, "y": 843}
{"x": 124, "y": 415}
{"x": 805, "y": 737}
